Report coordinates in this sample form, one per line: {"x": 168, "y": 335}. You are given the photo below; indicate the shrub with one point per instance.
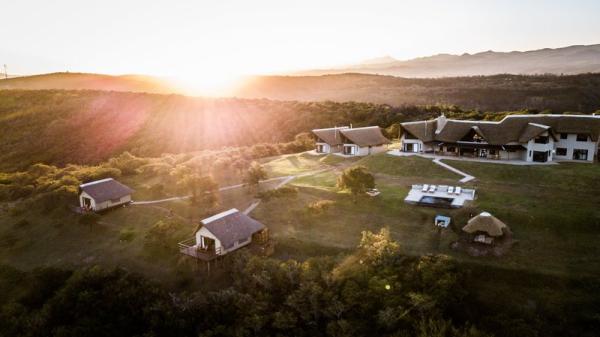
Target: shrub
{"x": 282, "y": 192}
{"x": 163, "y": 235}
{"x": 320, "y": 206}
{"x": 157, "y": 190}
{"x": 357, "y": 179}
{"x": 126, "y": 235}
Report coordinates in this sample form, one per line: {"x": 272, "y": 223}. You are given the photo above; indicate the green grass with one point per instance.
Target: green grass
{"x": 557, "y": 226}
{"x": 405, "y": 166}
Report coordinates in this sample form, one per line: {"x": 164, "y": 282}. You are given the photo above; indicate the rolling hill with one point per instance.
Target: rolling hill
{"x": 486, "y": 93}
{"x": 85, "y": 81}
{"x": 567, "y": 60}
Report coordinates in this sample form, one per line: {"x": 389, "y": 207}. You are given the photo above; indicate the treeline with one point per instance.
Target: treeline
{"x": 87, "y": 127}
{"x": 44, "y": 187}
{"x": 374, "y": 292}
{"x": 503, "y": 92}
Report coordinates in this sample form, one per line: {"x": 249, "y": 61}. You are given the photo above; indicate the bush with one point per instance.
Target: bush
{"x": 357, "y": 179}
{"x": 163, "y": 234}
{"x": 126, "y": 235}
{"x": 282, "y": 192}
{"x": 320, "y": 206}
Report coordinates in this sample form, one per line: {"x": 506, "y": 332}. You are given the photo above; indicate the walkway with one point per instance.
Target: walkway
{"x": 466, "y": 177}
{"x": 437, "y": 160}
{"x": 257, "y": 202}
{"x": 225, "y": 188}
{"x": 399, "y": 153}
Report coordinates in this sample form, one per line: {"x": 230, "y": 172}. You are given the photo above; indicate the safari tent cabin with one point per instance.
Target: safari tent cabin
{"x": 223, "y": 233}
{"x": 103, "y": 194}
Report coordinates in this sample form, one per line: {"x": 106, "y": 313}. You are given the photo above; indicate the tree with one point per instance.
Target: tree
{"x": 378, "y": 248}
{"x": 255, "y": 174}
{"x": 203, "y": 189}
{"x": 357, "y": 179}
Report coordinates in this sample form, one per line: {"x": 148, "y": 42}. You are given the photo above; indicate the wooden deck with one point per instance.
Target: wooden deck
{"x": 188, "y": 247}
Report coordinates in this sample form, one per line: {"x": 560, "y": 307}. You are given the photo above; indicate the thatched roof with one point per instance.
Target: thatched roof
{"x": 231, "y": 226}
{"x": 511, "y": 129}
{"x": 487, "y": 223}
{"x": 424, "y": 130}
{"x": 367, "y": 136}
{"x": 105, "y": 189}
{"x": 330, "y": 136}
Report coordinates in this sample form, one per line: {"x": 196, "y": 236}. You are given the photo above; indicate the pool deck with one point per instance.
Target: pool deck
{"x": 458, "y": 200}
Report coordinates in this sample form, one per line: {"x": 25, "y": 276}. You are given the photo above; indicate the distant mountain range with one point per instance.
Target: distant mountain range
{"x": 567, "y": 60}
{"x": 481, "y": 81}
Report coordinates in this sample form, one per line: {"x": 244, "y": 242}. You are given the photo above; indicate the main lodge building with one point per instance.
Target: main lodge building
{"x": 532, "y": 138}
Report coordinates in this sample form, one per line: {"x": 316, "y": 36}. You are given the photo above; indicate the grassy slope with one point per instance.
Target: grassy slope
{"x": 552, "y": 210}
{"x": 557, "y": 247}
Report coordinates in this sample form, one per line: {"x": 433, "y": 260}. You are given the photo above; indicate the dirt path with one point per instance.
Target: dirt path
{"x": 225, "y": 188}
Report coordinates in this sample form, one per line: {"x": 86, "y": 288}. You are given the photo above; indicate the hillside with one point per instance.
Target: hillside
{"x": 487, "y": 93}
{"x": 566, "y": 60}
{"x": 86, "y": 127}
{"x": 84, "y": 81}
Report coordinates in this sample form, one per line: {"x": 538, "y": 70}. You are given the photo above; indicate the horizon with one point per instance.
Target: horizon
{"x": 210, "y": 46}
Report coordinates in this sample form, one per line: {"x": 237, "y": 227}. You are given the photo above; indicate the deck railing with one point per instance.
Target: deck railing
{"x": 189, "y": 247}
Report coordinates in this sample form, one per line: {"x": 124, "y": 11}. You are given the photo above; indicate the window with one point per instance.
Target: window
{"x": 580, "y": 154}
{"x": 530, "y": 153}
{"x": 564, "y": 135}
{"x": 582, "y": 137}
{"x": 561, "y": 151}
{"x": 541, "y": 140}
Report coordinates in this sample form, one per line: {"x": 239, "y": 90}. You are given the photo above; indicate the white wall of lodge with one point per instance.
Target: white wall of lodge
{"x": 566, "y": 147}
{"x": 322, "y": 147}
{"x": 542, "y": 149}
{"x": 355, "y": 150}
{"x": 568, "y": 144}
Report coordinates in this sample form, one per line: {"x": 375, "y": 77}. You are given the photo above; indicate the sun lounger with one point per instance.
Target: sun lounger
{"x": 432, "y": 188}
{"x": 450, "y": 189}
{"x": 458, "y": 190}
{"x": 425, "y": 188}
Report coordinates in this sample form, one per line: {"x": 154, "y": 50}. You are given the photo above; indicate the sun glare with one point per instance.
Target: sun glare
{"x": 207, "y": 82}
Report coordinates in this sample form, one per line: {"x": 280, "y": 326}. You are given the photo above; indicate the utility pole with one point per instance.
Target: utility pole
{"x": 5, "y": 72}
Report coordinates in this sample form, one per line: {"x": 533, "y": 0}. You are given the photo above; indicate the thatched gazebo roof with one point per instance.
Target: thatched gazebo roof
{"x": 487, "y": 223}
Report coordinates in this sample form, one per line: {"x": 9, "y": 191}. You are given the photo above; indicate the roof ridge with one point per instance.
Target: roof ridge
{"x": 96, "y": 182}
{"x": 219, "y": 216}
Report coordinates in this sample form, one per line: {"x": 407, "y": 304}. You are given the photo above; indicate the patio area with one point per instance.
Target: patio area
{"x": 443, "y": 196}
{"x": 398, "y": 153}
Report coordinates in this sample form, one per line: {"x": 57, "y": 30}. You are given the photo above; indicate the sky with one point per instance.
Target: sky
{"x": 214, "y": 40}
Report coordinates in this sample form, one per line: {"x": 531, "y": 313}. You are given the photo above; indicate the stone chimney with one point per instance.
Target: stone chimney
{"x": 441, "y": 122}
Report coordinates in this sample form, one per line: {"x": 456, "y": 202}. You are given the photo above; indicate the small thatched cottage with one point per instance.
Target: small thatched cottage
{"x": 223, "y": 233}
{"x": 351, "y": 141}
{"x": 485, "y": 228}
{"x": 103, "y": 194}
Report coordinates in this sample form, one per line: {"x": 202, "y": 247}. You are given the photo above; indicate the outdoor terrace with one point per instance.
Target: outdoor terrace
{"x": 439, "y": 195}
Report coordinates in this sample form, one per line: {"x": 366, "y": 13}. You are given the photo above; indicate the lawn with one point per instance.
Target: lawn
{"x": 552, "y": 210}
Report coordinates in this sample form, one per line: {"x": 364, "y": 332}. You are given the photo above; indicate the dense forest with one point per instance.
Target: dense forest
{"x": 87, "y": 127}
{"x": 487, "y": 93}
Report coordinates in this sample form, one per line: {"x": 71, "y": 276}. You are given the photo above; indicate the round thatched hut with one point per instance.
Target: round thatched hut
{"x": 485, "y": 227}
